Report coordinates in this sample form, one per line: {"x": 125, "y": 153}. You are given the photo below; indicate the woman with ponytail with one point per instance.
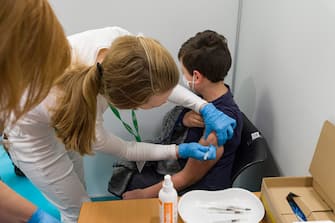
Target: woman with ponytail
{"x": 132, "y": 72}
{"x": 34, "y": 52}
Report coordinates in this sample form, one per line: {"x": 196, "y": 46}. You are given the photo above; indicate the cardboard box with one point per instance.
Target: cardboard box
{"x": 316, "y": 193}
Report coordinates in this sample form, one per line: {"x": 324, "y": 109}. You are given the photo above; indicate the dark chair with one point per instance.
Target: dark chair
{"x": 252, "y": 150}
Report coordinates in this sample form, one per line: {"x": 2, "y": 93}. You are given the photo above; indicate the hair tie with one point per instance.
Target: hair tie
{"x": 99, "y": 68}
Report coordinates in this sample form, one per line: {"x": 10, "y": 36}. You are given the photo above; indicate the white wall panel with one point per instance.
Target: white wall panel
{"x": 285, "y": 75}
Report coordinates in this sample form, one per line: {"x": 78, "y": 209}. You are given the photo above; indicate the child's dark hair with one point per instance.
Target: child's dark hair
{"x": 208, "y": 53}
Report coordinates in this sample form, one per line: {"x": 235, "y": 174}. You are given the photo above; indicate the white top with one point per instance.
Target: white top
{"x": 33, "y": 139}
{"x": 86, "y": 45}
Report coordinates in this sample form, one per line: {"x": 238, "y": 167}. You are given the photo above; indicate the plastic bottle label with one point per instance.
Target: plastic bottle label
{"x": 167, "y": 213}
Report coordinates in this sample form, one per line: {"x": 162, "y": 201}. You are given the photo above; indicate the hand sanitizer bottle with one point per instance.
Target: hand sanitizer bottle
{"x": 168, "y": 199}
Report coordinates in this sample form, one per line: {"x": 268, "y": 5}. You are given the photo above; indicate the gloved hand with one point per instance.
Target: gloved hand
{"x": 219, "y": 122}
{"x": 41, "y": 216}
{"x": 196, "y": 151}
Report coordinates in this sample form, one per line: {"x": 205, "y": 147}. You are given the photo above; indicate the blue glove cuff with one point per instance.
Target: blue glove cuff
{"x": 40, "y": 216}
{"x": 182, "y": 151}
{"x": 36, "y": 216}
{"x": 207, "y": 109}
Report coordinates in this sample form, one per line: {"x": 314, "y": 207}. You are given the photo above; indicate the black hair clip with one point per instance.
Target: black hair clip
{"x": 99, "y": 68}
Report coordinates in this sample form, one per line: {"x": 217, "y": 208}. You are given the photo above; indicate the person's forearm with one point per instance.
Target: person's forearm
{"x": 180, "y": 182}
{"x": 153, "y": 190}
{"x": 13, "y": 207}
{"x": 134, "y": 151}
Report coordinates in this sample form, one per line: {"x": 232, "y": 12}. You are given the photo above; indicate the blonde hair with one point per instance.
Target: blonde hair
{"x": 134, "y": 69}
{"x": 34, "y": 52}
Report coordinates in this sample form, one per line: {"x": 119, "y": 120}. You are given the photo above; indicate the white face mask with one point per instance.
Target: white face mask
{"x": 189, "y": 84}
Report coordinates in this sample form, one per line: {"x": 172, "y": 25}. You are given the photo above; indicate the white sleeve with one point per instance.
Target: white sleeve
{"x": 135, "y": 151}
{"x": 181, "y": 96}
{"x": 86, "y": 45}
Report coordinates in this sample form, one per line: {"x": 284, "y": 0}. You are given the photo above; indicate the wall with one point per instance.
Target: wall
{"x": 285, "y": 75}
{"x": 171, "y": 22}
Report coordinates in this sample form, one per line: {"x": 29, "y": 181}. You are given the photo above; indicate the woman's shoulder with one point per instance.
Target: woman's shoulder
{"x": 101, "y": 32}
{"x": 85, "y": 45}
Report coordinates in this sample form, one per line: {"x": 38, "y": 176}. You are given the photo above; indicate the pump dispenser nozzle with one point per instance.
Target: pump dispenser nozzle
{"x": 167, "y": 183}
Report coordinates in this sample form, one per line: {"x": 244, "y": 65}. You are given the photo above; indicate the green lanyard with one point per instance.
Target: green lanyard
{"x": 135, "y": 132}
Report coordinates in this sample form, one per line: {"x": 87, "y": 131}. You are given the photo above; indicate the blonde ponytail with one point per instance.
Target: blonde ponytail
{"x": 75, "y": 115}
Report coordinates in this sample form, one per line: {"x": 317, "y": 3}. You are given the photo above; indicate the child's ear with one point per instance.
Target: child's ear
{"x": 198, "y": 76}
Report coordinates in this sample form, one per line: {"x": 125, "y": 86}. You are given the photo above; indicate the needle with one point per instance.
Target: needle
{"x": 206, "y": 155}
